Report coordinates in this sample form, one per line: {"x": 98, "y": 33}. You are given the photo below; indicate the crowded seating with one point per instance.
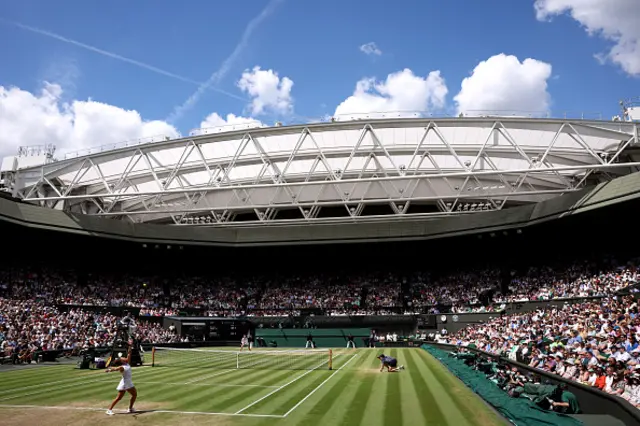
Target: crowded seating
{"x": 334, "y": 294}
{"x": 48, "y": 312}
{"x": 31, "y": 331}
{"x": 594, "y": 343}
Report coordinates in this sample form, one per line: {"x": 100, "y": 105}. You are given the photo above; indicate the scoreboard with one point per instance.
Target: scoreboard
{"x": 427, "y": 321}
{"x": 208, "y": 328}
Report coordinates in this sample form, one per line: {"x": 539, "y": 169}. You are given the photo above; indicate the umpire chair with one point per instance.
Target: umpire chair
{"x": 120, "y": 343}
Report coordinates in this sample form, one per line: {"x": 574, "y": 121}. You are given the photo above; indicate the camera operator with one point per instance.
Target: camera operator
{"x": 563, "y": 401}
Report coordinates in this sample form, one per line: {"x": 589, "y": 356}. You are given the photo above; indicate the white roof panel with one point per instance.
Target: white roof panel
{"x": 378, "y": 149}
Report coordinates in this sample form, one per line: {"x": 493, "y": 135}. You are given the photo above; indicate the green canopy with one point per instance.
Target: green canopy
{"x": 520, "y": 411}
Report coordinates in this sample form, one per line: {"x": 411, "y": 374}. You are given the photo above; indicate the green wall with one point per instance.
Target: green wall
{"x": 324, "y": 338}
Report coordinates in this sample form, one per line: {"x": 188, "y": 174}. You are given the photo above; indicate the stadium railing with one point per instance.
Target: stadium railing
{"x": 592, "y": 400}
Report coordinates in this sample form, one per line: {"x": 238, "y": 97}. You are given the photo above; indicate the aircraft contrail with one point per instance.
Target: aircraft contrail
{"x": 116, "y": 56}
{"x": 226, "y": 64}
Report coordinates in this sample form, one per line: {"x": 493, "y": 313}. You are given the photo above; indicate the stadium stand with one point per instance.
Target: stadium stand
{"x": 66, "y": 300}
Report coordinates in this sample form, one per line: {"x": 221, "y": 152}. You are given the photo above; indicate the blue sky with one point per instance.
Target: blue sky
{"x": 314, "y": 44}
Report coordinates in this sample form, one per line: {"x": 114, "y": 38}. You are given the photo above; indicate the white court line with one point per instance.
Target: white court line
{"x": 319, "y": 386}
{"x": 278, "y": 389}
{"x": 208, "y": 376}
{"x": 205, "y": 384}
{"x": 54, "y": 407}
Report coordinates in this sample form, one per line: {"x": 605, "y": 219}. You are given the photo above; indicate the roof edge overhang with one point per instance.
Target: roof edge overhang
{"x": 623, "y": 189}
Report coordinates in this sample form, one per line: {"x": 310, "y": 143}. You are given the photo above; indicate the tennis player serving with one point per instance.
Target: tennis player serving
{"x": 122, "y": 366}
{"x": 390, "y": 363}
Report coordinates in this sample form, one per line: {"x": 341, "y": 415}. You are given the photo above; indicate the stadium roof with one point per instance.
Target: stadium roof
{"x": 336, "y": 171}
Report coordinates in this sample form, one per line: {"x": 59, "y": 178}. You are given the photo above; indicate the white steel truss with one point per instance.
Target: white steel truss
{"x": 356, "y": 169}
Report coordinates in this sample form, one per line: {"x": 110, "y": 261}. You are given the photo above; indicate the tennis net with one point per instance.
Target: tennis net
{"x": 263, "y": 360}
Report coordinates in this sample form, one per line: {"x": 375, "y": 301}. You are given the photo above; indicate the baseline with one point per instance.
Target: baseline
{"x": 61, "y": 407}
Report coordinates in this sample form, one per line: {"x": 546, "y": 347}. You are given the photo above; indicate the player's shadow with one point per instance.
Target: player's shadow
{"x": 124, "y": 413}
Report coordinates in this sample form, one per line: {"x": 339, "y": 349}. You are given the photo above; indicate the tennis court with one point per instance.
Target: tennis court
{"x": 352, "y": 393}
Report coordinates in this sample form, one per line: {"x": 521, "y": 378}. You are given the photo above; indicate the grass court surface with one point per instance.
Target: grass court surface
{"x": 353, "y": 393}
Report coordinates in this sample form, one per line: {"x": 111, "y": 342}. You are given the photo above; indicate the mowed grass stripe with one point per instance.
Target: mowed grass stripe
{"x": 288, "y": 381}
{"x": 245, "y": 377}
{"x": 7, "y": 374}
{"x": 80, "y": 392}
{"x": 171, "y": 375}
{"x": 180, "y": 398}
{"x": 340, "y": 359}
{"x": 392, "y": 405}
{"x": 361, "y": 375}
{"x": 359, "y": 394}
{"x": 195, "y": 398}
{"x": 377, "y": 396}
{"x": 447, "y": 405}
{"x": 25, "y": 385}
{"x": 480, "y": 414}
{"x": 63, "y": 377}
{"x": 366, "y": 361}
{"x": 411, "y": 404}
{"x": 200, "y": 399}
{"x": 92, "y": 386}
{"x": 176, "y": 375}
{"x": 33, "y": 368}
{"x": 172, "y": 397}
{"x": 227, "y": 401}
{"x": 330, "y": 403}
{"x": 189, "y": 397}
{"x": 417, "y": 372}
{"x": 13, "y": 379}
{"x": 45, "y": 389}
{"x": 469, "y": 403}
{"x": 283, "y": 400}
{"x": 181, "y": 375}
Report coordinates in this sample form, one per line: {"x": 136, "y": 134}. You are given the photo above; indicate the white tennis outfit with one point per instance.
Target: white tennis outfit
{"x": 125, "y": 382}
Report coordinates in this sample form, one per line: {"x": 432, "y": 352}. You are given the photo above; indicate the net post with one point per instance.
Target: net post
{"x": 237, "y": 361}
{"x": 330, "y": 359}
{"x": 153, "y": 356}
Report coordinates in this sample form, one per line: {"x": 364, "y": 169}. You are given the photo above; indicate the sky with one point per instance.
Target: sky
{"x": 81, "y": 74}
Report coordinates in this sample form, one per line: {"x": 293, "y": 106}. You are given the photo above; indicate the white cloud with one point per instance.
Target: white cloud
{"x": 269, "y": 92}
{"x": 402, "y": 93}
{"x": 227, "y": 64}
{"x": 504, "y": 84}
{"x": 370, "y": 49}
{"x": 42, "y": 118}
{"x": 214, "y": 123}
{"x": 618, "y": 21}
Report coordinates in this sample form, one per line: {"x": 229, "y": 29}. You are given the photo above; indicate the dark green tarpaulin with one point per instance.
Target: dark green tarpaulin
{"x": 520, "y": 411}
